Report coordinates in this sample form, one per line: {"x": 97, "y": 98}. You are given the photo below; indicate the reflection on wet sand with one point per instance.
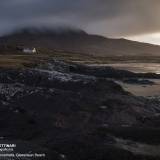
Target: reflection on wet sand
{"x": 137, "y": 89}
{"x": 135, "y": 67}
{"x": 142, "y": 90}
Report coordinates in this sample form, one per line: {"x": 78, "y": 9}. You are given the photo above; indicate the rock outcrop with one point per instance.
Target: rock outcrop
{"x": 69, "y": 114}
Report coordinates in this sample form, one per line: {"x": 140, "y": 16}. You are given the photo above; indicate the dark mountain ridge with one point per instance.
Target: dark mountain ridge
{"x": 78, "y": 41}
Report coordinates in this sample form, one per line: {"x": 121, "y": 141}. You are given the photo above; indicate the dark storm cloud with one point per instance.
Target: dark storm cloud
{"x": 108, "y": 17}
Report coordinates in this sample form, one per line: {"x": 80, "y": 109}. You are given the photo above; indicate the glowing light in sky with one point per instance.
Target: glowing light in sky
{"x": 153, "y": 38}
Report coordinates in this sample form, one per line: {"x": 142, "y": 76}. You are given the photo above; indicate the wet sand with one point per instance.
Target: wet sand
{"x": 135, "y": 67}
{"x": 137, "y": 89}
{"x": 142, "y": 90}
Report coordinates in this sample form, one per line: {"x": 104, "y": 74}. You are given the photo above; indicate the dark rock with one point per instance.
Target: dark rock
{"x": 138, "y": 81}
{"x": 60, "y": 111}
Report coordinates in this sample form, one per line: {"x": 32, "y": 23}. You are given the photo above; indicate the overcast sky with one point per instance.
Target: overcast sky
{"x": 134, "y": 19}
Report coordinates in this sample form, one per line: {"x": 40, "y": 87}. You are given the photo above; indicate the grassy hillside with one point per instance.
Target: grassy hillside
{"x": 78, "y": 42}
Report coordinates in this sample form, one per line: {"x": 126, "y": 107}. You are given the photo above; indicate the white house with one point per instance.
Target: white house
{"x": 29, "y": 50}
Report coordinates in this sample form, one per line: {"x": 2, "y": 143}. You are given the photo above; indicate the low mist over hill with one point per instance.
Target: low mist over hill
{"x": 78, "y": 41}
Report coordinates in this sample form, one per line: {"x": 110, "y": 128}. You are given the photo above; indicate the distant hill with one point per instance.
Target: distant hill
{"x": 78, "y": 41}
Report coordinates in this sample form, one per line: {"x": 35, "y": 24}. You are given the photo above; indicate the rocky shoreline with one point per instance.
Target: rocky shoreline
{"x": 73, "y": 112}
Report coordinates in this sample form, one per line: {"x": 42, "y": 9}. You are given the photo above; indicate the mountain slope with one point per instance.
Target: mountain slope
{"x": 78, "y": 41}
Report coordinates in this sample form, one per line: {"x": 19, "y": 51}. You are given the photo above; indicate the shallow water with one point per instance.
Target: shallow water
{"x": 137, "y": 89}
{"x": 135, "y": 67}
{"x": 143, "y": 90}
